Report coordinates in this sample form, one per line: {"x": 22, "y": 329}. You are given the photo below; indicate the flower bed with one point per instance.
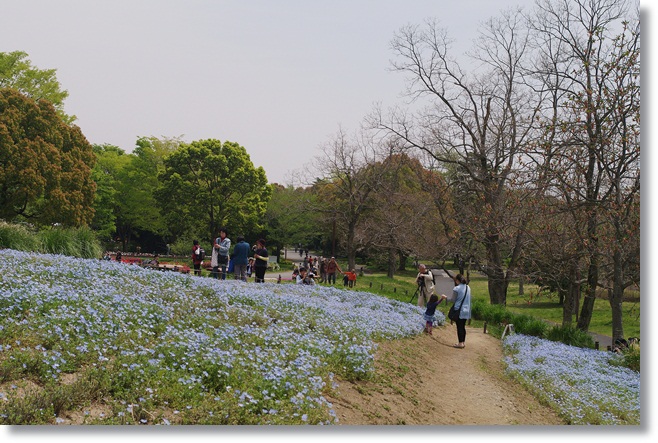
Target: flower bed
{"x": 158, "y": 347}
{"x": 584, "y": 386}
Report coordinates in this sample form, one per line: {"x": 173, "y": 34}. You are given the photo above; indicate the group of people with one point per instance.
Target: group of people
{"x": 461, "y": 298}
{"x": 222, "y": 259}
{"x": 325, "y": 268}
{"x": 243, "y": 265}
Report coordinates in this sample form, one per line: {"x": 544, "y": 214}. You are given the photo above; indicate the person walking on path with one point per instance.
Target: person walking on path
{"x": 240, "y": 259}
{"x": 197, "y": 257}
{"x": 332, "y": 267}
{"x": 461, "y": 294}
{"x": 220, "y": 251}
{"x": 261, "y": 259}
{"x": 425, "y": 282}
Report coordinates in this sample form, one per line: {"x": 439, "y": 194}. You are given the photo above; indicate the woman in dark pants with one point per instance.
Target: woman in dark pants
{"x": 261, "y": 258}
{"x": 461, "y": 294}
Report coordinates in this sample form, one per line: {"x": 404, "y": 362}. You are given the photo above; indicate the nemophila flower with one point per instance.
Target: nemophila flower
{"x": 203, "y": 334}
{"x": 586, "y": 386}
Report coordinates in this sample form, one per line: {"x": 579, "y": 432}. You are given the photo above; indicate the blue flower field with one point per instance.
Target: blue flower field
{"x": 170, "y": 348}
{"x": 99, "y": 342}
{"x": 585, "y": 386}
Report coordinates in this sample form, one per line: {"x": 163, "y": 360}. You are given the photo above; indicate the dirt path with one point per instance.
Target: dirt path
{"x": 425, "y": 381}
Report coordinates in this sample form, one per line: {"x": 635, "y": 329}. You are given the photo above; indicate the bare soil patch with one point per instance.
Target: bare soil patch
{"x": 425, "y": 381}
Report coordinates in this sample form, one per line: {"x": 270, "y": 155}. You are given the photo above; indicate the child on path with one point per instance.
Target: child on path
{"x": 429, "y": 313}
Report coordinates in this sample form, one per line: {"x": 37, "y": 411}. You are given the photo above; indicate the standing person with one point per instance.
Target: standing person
{"x": 462, "y": 301}
{"x": 261, "y": 258}
{"x": 332, "y": 267}
{"x": 118, "y": 257}
{"x": 197, "y": 257}
{"x": 323, "y": 270}
{"x": 425, "y": 281}
{"x": 430, "y": 311}
{"x": 240, "y": 259}
{"x": 222, "y": 246}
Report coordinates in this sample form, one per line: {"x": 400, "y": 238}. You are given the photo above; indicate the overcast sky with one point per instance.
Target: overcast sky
{"x": 277, "y": 77}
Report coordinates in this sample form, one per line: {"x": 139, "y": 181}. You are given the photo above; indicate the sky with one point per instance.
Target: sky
{"x": 278, "y": 77}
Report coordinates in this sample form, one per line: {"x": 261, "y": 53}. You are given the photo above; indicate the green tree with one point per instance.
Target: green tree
{"x": 17, "y": 72}
{"x": 45, "y": 164}
{"x": 289, "y": 218}
{"x": 110, "y": 163}
{"x": 138, "y": 208}
{"x": 208, "y": 184}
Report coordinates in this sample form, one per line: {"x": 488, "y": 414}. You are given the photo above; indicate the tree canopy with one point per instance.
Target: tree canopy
{"x": 17, "y": 72}
{"x": 208, "y": 184}
{"x": 45, "y": 164}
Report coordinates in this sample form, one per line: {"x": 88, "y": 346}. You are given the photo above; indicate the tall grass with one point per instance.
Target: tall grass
{"x": 17, "y": 237}
{"x": 75, "y": 242}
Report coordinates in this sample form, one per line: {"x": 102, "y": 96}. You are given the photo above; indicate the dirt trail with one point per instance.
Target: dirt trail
{"x": 425, "y": 381}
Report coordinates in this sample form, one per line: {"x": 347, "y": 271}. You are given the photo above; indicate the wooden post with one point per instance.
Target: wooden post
{"x": 382, "y": 287}
{"x": 596, "y": 345}
{"x": 371, "y": 284}
{"x": 394, "y": 289}
{"x": 485, "y": 327}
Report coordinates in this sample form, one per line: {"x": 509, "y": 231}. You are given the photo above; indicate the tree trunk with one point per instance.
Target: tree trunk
{"x": 351, "y": 249}
{"x": 571, "y": 295}
{"x": 590, "y": 297}
{"x": 497, "y": 284}
{"x": 403, "y": 261}
{"x": 616, "y": 297}
{"x": 521, "y": 283}
{"x": 497, "y": 280}
{"x": 392, "y": 253}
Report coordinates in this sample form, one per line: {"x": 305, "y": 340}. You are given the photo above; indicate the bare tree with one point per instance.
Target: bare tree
{"x": 410, "y": 214}
{"x": 478, "y": 122}
{"x": 348, "y": 185}
{"x": 588, "y": 59}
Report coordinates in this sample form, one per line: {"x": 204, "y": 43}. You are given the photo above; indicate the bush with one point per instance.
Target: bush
{"x": 570, "y": 335}
{"x": 183, "y": 247}
{"x": 632, "y": 358}
{"x": 528, "y": 325}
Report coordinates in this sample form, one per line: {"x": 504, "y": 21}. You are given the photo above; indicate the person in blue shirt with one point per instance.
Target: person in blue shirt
{"x": 461, "y": 294}
{"x": 240, "y": 259}
{"x": 220, "y": 253}
{"x": 430, "y": 311}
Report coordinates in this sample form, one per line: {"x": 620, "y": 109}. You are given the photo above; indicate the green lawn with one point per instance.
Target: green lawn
{"x": 402, "y": 286}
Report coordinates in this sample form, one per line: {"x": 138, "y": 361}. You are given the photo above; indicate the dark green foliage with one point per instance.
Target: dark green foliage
{"x": 570, "y": 335}
{"x": 45, "y": 173}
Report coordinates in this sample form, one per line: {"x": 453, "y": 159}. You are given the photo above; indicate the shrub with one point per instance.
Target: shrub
{"x": 183, "y": 247}
{"x": 631, "y": 358}
{"x": 528, "y": 325}
{"x": 570, "y": 335}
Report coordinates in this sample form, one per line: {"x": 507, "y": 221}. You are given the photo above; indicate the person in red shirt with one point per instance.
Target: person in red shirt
{"x": 332, "y": 267}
